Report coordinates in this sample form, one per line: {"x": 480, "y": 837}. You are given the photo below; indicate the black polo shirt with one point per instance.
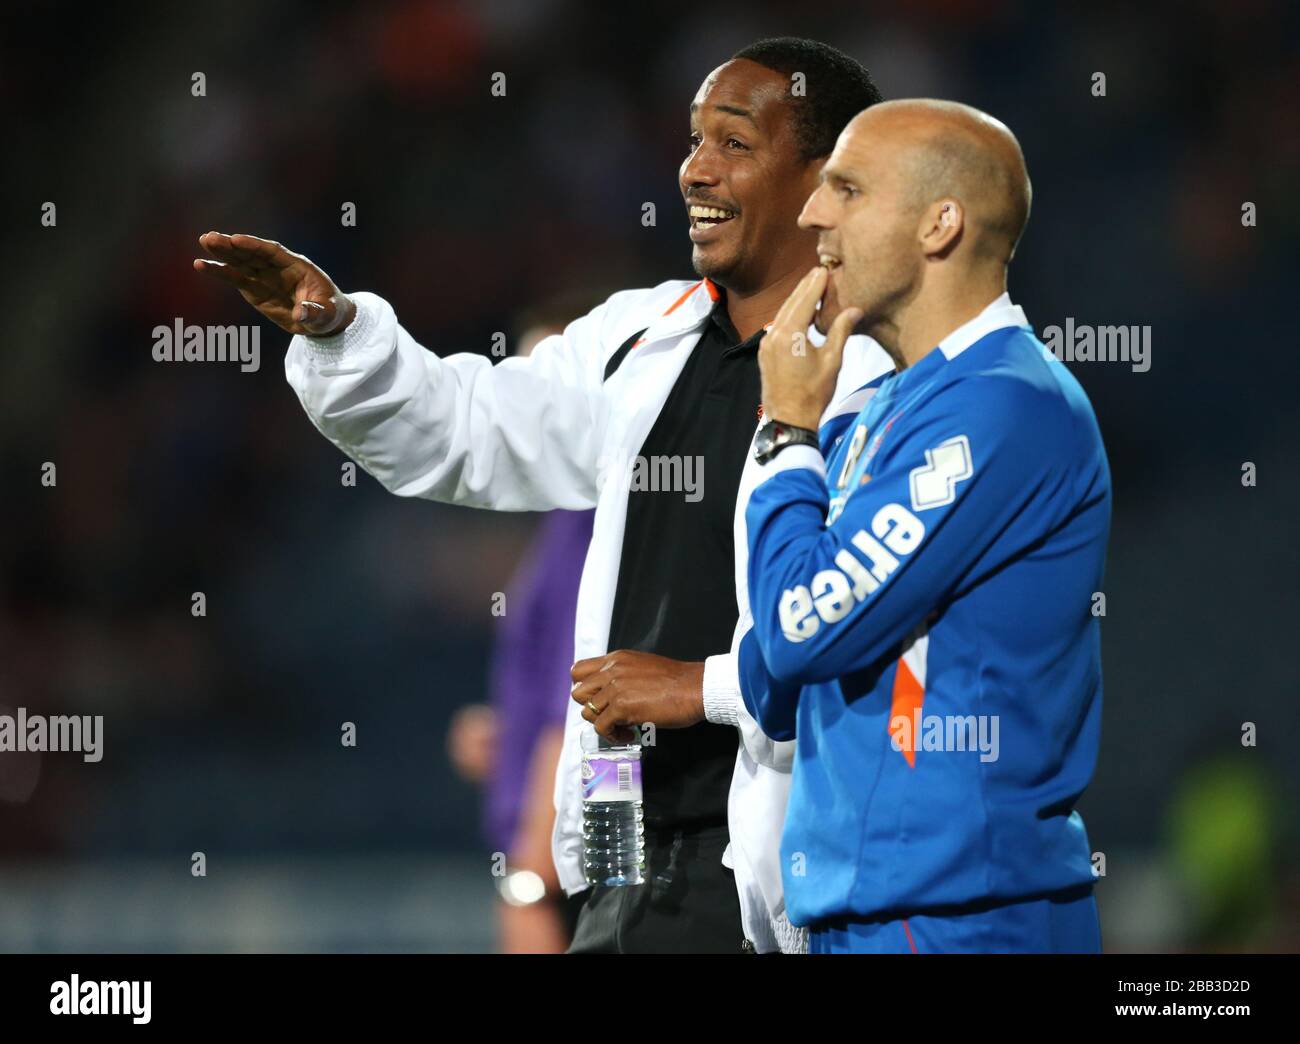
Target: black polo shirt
{"x": 676, "y": 593}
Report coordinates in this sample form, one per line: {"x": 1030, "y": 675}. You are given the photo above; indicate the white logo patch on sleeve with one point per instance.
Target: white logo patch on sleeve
{"x": 934, "y": 483}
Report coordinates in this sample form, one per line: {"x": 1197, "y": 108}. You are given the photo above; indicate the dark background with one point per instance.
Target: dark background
{"x": 477, "y": 214}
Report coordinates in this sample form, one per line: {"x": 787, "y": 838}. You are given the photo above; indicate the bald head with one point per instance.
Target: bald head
{"x": 919, "y": 208}
{"x": 950, "y": 150}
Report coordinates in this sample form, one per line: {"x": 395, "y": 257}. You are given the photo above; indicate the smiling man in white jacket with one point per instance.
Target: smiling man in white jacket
{"x": 662, "y": 373}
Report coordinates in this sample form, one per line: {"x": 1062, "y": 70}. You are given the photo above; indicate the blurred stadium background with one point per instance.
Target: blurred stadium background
{"x": 477, "y": 215}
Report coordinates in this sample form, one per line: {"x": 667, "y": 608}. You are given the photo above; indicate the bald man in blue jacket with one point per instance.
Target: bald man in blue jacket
{"x": 922, "y": 574}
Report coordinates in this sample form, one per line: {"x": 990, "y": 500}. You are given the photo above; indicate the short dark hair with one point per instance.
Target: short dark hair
{"x": 837, "y": 88}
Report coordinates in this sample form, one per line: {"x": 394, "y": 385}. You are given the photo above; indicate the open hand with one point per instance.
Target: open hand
{"x": 285, "y": 287}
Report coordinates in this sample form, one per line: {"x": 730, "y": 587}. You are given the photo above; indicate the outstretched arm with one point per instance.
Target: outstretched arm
{"x": 524, "y": 435}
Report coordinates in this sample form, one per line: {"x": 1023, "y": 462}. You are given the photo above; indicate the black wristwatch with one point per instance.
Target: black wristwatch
{"x": 774, "y": 436}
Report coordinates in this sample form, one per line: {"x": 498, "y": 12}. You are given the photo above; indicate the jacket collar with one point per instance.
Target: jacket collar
{"x": 685, "y": 313}
{"x": 999, "y": 314}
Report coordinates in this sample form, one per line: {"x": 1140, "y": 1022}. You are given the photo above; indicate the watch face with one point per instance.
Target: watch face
{"x": 773, "y": 437}
{"x": 770, "y": 437}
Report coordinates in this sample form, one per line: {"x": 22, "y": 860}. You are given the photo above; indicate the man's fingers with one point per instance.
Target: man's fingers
{"x": 220, "y": 247}
{"x": 584, "y": 669}
{"x": 841, "y": 329}
{"x": 227, "y": 273}
{"x": 264, "y": 249}
{"x": 218, "y": 244}
{"x": 606, "y": 718}
{"x": 806, "y": 296}
{"x": 250, "y": 250}
{"x": 800, "y": 307}
{"x": 786, "y": 307}
{"x": 584, "y": 691}
{"x": 611, "y": 724}
{"x": 213, "y": 241}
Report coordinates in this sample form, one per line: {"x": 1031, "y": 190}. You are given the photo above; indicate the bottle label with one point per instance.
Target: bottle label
{"x": 611, "y": 779}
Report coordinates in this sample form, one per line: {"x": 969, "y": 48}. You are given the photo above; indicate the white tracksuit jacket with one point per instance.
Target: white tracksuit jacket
{"x": 545, "y": 432}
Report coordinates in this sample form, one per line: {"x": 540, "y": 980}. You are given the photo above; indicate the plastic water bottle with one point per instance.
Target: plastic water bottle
{"x": 613, "y": 837}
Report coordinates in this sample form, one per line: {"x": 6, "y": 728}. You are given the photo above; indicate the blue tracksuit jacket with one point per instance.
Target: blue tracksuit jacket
{"x": 924, "y": 627}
